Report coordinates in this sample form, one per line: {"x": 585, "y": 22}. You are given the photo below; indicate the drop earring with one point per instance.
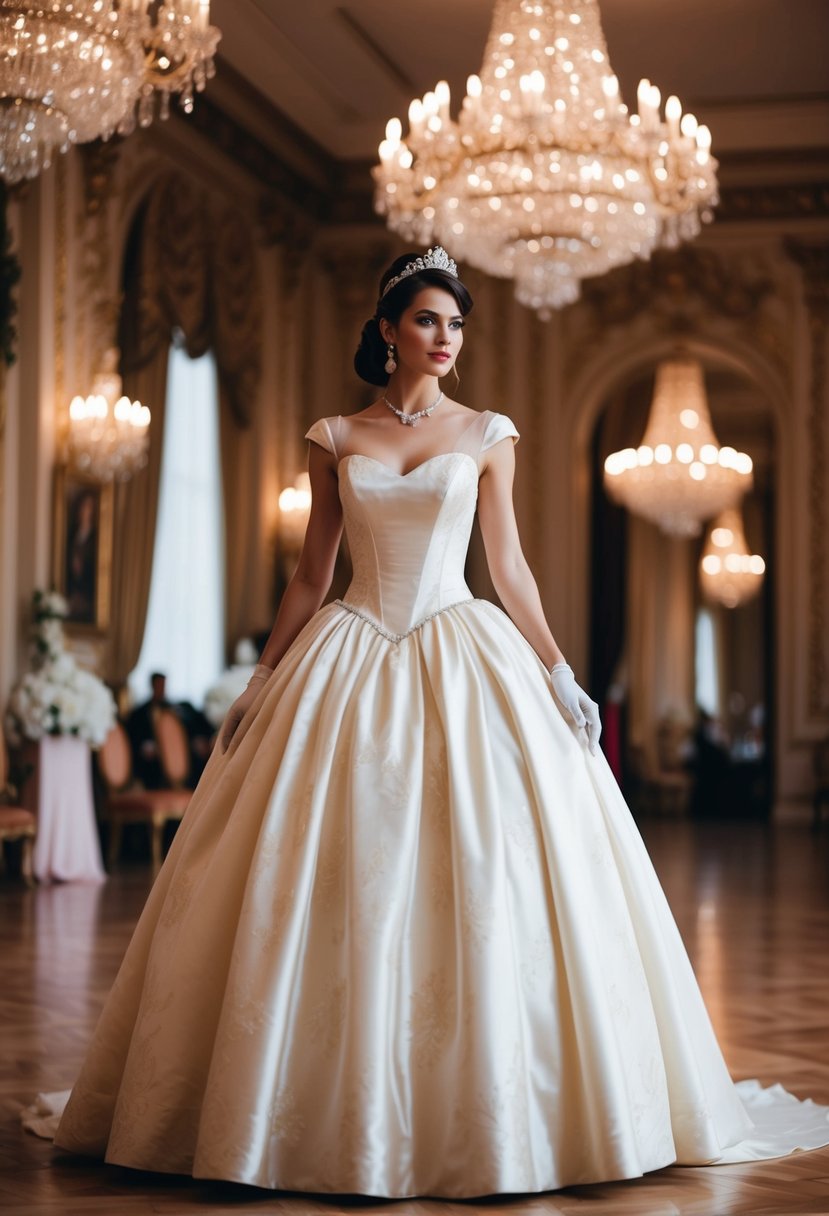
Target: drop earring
{"x": 391, "y": 362}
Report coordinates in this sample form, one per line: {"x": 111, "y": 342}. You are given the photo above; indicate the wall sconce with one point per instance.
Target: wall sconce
{"x": 294, "y": 507}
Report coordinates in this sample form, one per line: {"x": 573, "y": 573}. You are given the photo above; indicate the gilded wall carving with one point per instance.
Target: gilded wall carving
{"x": 97, "y": 297}
{"x": 61, "y": 272}
{"x": 197, "y": 271}
{"x": 741, "y": 296}
{"x": 813, "y": 260}
{"x": 292, "y": 229}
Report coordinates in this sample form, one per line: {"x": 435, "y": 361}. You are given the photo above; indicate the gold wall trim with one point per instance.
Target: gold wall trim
{"x": 782, "y": 201}
{"x": 61, "y": 278}
{"x": 339, "y": 200}
{"x": 813, "y": 260}
{"x": 251, "y": 154}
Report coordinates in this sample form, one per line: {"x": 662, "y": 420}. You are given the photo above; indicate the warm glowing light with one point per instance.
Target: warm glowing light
{"x": 75, "y": 72}
{"x": 294, "y": 508}
{"x": 544, "y": 124}
{"x": 108, "y": 434}
{"x": 731, "y": 575}
{"x": 681, "y": 476}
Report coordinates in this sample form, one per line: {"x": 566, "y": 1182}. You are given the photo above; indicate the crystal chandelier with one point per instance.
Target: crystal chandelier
{"x": 108, "y": 434}
{"x": 75, "y": 70}
{"x": 729, "y": 574}
{"x": 544, "y": 177}
{"x": 678, "y": 475}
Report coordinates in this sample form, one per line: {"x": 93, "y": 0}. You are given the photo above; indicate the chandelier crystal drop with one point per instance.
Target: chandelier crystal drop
{"x": 108, "y": 434}
{"x": 729, "y": 573}
{"x": 544, "y": 177}
{"x": 76, "y": 70}
{"x": 679, "y": 475}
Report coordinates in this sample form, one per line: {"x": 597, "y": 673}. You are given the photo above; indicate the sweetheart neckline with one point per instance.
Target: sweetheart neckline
{"x": 403, "y": 476}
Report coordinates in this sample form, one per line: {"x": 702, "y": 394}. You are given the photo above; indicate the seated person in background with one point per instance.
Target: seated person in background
{"x": 201, "y": 734}
{"x": 711, "y": 764}
{"x": 145, "y": 761}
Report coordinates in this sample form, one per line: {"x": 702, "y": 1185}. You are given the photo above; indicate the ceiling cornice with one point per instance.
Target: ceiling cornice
{"x": 790, "y": 183}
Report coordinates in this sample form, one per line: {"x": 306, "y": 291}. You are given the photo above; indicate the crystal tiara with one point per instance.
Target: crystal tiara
{"x": 433, "y": 259}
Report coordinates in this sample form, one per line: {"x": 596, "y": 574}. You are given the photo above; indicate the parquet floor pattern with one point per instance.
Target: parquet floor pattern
{"x": 753, "y": 906}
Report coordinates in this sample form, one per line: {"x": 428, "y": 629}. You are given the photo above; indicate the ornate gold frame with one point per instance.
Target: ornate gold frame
{"x": 105, "y": 494}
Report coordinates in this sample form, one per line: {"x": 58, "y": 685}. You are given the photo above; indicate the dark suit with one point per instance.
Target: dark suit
{"x": 145, "y": 761}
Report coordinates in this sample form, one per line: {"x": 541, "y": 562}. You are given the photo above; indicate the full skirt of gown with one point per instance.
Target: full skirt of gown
{"x": 478, "y": 987}
{"x": 408, "y": 941}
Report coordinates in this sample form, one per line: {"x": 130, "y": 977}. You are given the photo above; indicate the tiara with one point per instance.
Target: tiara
{"x": 433, "y": 259}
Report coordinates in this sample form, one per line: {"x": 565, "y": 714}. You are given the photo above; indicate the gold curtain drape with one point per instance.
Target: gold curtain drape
{"x": 136, "y": 506}
{"x": 190, "y": 272}
{"x": 660, "y": 636}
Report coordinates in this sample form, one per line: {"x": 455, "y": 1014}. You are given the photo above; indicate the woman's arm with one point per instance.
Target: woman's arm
{"x": 518, "y": 591}
{"x": 312, "y": 578}
{"x": 511, "y": 576}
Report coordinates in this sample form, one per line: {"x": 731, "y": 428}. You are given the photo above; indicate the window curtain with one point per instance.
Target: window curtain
{"x": 184, "y": 630}
{"x": 191, "y": 271}
{"x": 660, "y": 635}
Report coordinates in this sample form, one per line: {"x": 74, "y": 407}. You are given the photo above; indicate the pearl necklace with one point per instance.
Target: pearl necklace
{"x": 411, "y": 419}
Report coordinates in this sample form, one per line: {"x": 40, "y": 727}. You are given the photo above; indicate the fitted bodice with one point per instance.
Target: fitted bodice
{"x": 408, "y": 534}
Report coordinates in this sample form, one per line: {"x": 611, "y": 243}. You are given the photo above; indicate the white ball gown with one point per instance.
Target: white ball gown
{"x": 407, "y": 940}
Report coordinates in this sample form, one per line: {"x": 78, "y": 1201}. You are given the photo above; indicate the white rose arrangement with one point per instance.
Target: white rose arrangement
{"x": 57, "y": 697}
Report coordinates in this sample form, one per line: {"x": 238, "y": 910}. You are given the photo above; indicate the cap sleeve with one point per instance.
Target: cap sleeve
{"x": 499, "y": 427}
{"x": 320, "y": 432}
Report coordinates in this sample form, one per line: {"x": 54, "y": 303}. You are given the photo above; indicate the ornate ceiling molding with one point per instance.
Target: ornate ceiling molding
{"x": 675, "y": 279}
{"x": 340, "y": 191}
{"x": 777, "y": 201}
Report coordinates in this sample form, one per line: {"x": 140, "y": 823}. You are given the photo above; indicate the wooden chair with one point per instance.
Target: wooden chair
{"x": 16, "y": 823}
{"x": 663, "y": 785}
{"x": 173, "y": 749}
{"x": 126, "y": 802}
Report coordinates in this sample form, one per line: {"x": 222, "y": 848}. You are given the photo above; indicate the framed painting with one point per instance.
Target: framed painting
{"x": 83, "y": 547}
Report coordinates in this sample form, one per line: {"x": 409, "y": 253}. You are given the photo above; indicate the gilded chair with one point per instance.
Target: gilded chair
{"x": 127, "y": 802}
{"x": 16, "y": 823}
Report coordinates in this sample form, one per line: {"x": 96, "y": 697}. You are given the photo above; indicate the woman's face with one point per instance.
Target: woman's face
{"x": 429, "y": 334}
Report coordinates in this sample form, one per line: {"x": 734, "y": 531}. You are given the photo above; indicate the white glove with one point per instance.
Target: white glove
{"x": 576, "y": 702}
{"x": 237, "y": 711}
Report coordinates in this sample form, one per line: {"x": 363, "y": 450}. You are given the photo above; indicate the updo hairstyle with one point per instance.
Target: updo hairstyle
{"x": 371, "y": 356}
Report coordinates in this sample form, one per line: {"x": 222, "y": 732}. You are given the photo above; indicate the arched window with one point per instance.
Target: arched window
{"x": 184, "y": 633}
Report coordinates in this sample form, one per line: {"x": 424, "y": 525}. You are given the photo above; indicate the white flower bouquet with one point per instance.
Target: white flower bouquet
{"x": 57, "y": 697}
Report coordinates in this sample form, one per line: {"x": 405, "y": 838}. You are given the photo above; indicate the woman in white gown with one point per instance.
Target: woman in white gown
{"x": 407, "y": 939}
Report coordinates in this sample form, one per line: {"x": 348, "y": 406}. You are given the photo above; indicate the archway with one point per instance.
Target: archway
{"x": 647, "y": 615}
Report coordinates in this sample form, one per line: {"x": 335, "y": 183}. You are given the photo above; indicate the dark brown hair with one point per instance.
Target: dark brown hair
{"x": 370, "y": 359}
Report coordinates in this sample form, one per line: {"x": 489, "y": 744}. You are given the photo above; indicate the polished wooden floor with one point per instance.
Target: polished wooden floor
{"x": 753, "y": 907}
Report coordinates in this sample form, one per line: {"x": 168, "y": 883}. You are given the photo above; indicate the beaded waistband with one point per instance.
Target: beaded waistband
{"x": 398, "y": 637}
